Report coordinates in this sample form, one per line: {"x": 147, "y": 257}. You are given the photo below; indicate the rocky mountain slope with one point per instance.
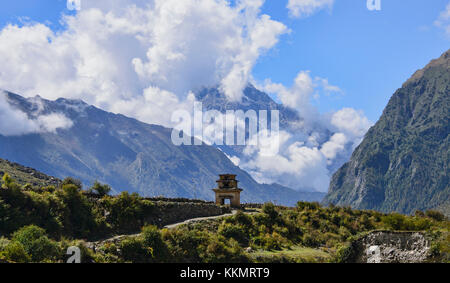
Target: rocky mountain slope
{"x": 403, "y": 162}
{"x": 26, "y": 175}
{"x": 252, "y": 99}
{"x": 128, "y": 155}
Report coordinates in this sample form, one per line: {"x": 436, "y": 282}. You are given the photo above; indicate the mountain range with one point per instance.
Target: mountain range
{"x": 129, "y": 155}
{"x": 403, "y": 162}
{"x": 401, "y": 165}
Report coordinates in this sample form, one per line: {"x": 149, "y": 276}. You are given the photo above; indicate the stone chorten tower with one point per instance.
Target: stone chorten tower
{"x": 228, "y": 189}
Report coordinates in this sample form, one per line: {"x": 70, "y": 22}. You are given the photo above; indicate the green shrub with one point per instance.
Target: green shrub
{"x": 270, "y": 210}
{"x": 148, "y": 247}
{"x": 133, "y": 250}
{"x": 268, "y": 241}
{"x": 3, "y": 243}
{"x": 232, "y": 231}
{"x": 344, "y": 254}
{"x": 419, "y": 213}
{"x": 310, "y": 240}
{"x": 436, "y": 215}
{"x": 219, "y": 250}
{"x": 15, "y": 252}
{"x": 100, "y": 189}
{"x": 184, "y": 245}
{"x": 8, "y": 182}
{"x": 78, "y": 217}
{"x": 395, "y": 221}
{"x": 36, "y": 243}
{"x": 72, "y": 181}
{"x": 128, "y": 212}
{"x": 152, "y": 238}
{"x": 243, "y": 219}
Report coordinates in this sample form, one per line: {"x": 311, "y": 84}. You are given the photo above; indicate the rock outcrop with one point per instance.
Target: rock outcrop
{"x": 390, "y": 247}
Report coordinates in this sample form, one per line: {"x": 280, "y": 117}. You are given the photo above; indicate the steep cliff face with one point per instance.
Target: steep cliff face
{"x": 403, "y": 162}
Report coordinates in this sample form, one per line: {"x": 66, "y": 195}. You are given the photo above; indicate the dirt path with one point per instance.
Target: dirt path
{"x": 170, "y": 226}
{"x": 193, "y": 220}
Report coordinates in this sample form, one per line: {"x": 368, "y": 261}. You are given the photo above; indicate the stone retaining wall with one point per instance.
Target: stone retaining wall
{"x": 166, "y": 213}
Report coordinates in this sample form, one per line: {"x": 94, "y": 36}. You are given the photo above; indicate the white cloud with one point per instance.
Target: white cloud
{"x": 305, "y": 8}
{"x": 236, "y": 160}
{"x": 443, "y": 20}
{"x": 296, "y": 165}
{"x": 14, "y": 122}
{"x": 311, "y": 150}
{"x": 332, "y": 147}
{"x": 114, "y": 53}
{"x": 143, "y": 58}
{"x": 300, "y": 94}
{"x": 351, "y": 122}
{"x": 52, "y": 122}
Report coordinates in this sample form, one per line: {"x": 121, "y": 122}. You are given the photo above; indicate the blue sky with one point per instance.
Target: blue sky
{"x": 368, "y": 54}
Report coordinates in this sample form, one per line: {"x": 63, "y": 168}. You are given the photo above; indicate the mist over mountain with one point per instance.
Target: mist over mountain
{"x": 403, "y": 162}
{"x": 312, "y": 145}
{"x": 123, "y": 152}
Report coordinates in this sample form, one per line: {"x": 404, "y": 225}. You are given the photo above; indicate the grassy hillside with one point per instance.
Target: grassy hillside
{"x": 25, "y": 175}
{"x": 38, "y": 224}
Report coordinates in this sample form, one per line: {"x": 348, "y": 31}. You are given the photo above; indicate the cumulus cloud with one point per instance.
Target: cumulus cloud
{"x": 120, "y": 55}
{"x": 443, "y": 20}
{"x": 51, "y": 122}
{"x": 305, "y": 8}
{"x": 296, "y": 165}
{"x": 351, "y": 122}
{"x": 144, "y": 58}
{"x": 336, "y": 144}
{"x": 300, "y": 94}
{"x": 14, "y": 122}
{"x": 311, "y": 150}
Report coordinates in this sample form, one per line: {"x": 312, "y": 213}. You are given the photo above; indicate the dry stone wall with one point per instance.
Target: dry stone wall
{"x": 166, "y": 213}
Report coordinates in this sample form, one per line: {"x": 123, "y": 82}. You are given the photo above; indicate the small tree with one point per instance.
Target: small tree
{"x": 8, "y": 182}
{"x": 36, "y": 243}
{"x": 15, "y": 252}
{"x": 72, "y": 181}
{"x": 133, "y": 250}
{"x": 436, "y": 215}
{"x": 128, "y": 212}
{"x": 100, "y": 189}
{"x": 270, "y": 210}
{"x": 152, "y": 238}
{"x": 78, "y": 216}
